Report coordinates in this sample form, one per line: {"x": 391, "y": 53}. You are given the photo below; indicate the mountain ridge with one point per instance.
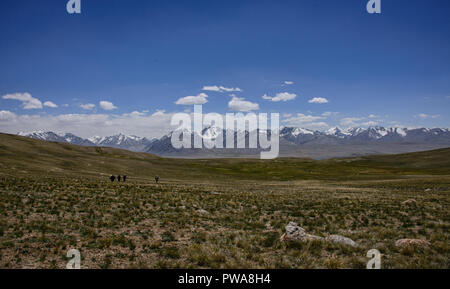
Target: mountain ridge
{"x": 294, "y": 142}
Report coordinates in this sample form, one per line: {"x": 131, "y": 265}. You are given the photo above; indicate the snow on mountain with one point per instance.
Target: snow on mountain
{"x": 43, "y": 135}
{"x": 295, "y": 131}
{"x": 337, "y": 132}
{"x": 122, "y": 141}
{"x": 133, "y": 143}
{"x": 329, "y": 140}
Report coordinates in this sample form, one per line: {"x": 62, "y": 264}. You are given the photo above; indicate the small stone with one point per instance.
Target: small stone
{"x": 337, "y": 239}
{"x": 402, "y": 243}
{"x": 409, "y": 202}
{"x": 202, "y": 212}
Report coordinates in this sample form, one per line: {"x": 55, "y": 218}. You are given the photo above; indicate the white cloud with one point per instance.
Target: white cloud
{"x": 106, "y": 105}
{"x": 135, "y": 114}
{"x": 192, "y": 100}
{"x": 288, "y": 83}
{"x": 319, "y": 100}
{"x": 302, "y": 118}
{"x": 50, "y": 104}
{"x": 240, "y": 104}
{"x": 282, "y": 96}
{"x": 6, "y": 115}
{"x": 306, "y": 121}
{"x": 159, "y": 112}
{"x": 28, "y": 102}
{"x": 351, "y": 121}
{"x": 221, "y": 89}
{"x": 427, "y": 116}
{"x": 87, "y": 106}
{"x": 88, "y": 125}
{"x": 370, "y": 123}
{"x": 330, "y": 113}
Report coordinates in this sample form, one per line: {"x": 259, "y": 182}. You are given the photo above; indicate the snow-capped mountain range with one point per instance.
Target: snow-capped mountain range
{"x": 370, "y": 134}
{"x": 294, "y": 141}
{"x": 132, "y": 143}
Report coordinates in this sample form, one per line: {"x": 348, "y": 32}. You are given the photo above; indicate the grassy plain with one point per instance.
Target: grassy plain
{"x": 218, "y": 213}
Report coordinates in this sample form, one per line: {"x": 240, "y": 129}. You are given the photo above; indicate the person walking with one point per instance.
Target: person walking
{"x": 156, "y": 179}
{"x": 124, "y": 178}
{"x": 118, "y": 178}
{"x": 112, "y": 178}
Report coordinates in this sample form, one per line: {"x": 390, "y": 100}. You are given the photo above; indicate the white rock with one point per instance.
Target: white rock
{"x": 337, "y": 239}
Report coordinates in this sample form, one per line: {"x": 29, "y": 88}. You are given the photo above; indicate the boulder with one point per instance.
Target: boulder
{"x": 294, "y": 233}
{"x": 298, "y": 234}
{"x": 337, "y": 239}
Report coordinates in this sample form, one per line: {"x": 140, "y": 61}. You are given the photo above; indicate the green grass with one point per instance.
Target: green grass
{"x": 55, "y": 197}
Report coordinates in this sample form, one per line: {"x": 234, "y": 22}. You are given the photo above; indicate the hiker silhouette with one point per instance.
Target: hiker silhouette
{"x": 156, "y": 179}
{"x": 112, "y": 178}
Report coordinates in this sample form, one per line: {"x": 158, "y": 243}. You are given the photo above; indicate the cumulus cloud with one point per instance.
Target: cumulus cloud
{"x": 288, "y": 83}
{"x": 6, "y": 115}
{"x": 28, "y": 102}
{"x": 312, "y": 122}
{"x": 240, "y": 104}
{"x": 221, "y": 88}
{"x": 370, "y": 123}
{"x": 192, "y": 100}
{"x": 50, "y": 104}
{"x": 427, "y": 116}
{"x": 330, "y": 113}
{"x": 319, "y": 100}
{"x": 303, "y": 118}
{"x": 351, "y": 121}
{"x": 135, "y": 114}
{"x": 306, "y": 121}
{"x": 360, "y": 121}
{"x": 87, "y": 106}
{"x": 282, "y": 96}
{"x": 159, "y": 112}
{"x": 106, "y": 105}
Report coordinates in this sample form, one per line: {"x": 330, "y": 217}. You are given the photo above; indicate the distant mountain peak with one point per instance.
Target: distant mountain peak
{"x": 334, "y": 141}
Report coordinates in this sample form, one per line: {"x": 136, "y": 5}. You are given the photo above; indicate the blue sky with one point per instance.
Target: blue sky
{"x": 140, "y": 57}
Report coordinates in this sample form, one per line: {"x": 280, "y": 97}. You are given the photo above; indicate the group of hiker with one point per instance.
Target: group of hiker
{"x": 124, "y": 178}
{"x": 119, "y": 178}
